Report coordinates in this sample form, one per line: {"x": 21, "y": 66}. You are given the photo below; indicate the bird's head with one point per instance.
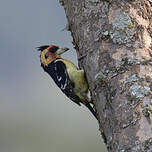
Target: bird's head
{"x": 49, "y": 53}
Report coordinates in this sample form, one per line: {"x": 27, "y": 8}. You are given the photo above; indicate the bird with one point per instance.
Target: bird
{"x": 66, "y": 75}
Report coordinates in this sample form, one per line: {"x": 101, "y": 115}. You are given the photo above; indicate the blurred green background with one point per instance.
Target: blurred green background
{"x": 34, "y": 115}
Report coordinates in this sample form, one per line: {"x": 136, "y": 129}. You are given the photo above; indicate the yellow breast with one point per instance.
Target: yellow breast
{"x": 77, "y": 77}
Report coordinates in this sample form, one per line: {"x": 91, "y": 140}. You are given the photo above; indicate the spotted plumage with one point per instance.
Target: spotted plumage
{"x": 66, "y": 75}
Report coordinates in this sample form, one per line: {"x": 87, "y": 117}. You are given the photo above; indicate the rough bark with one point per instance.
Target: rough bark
{"x": 113, "y": 39}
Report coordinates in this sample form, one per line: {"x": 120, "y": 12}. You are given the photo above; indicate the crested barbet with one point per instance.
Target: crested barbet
{"x": 67, "y": 76}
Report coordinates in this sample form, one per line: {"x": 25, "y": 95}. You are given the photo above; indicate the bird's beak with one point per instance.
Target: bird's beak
{"x": 61, "y": 51}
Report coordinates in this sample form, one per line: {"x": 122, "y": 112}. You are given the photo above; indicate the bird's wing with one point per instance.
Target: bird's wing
{"x": 61, "y": 78}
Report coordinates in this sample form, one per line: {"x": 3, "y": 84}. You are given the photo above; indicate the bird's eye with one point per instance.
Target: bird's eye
{"x": 46, "y": 56}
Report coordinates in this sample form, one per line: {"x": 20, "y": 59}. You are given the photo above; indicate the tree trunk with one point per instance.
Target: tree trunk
{"x": 113, "y": 39}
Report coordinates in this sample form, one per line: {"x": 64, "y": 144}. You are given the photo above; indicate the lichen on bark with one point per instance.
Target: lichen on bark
{"x": 113, "y": 40}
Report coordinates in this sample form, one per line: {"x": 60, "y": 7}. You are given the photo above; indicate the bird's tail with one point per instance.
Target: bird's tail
{"x": 91, "y": 109}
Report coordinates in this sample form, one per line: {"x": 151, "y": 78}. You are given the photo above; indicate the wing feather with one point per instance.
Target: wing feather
{"x": 57, "y": 70}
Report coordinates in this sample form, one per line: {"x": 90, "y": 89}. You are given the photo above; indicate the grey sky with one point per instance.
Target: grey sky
{"x": 34, "y": 114}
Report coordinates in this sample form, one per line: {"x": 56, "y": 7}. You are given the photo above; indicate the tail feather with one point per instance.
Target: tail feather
{"x": 91, "y": 110}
